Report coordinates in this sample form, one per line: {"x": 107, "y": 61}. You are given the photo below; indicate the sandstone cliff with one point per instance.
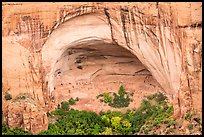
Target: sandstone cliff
{"x": 164, "y": 38}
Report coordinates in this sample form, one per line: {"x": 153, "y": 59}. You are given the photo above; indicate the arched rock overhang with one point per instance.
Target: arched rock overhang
{"x": 162, "y": 60}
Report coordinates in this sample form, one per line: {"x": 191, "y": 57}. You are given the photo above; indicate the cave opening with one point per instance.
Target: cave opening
{"x": 93, "y": 67}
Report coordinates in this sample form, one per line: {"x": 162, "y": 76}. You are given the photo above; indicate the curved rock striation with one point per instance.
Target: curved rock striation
{"x": 54, "y": 50}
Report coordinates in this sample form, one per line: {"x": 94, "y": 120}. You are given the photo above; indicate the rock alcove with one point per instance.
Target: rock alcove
{"x": 93, "y": 67}
{"x": 38, "y": 39}
{"x": 84, "y": 62}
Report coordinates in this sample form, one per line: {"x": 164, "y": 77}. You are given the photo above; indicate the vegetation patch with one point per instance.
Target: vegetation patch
{"x": 193, "y": 122}
{"x": 119, "y": 100}
{"x": 107, "y": 98}
{"x": 63, "y": 107}
{"x": 23, "y": 96}
{"x": 154, "y": 116}
{"x": 188, "y": 116}
{"x": 13, "y": 131}
{"x": 8, "y": 96}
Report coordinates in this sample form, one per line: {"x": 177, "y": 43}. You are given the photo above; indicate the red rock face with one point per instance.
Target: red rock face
{"x": 87, "y": 71}
{"x": 55, "y": 51}
{"x": 25, "y": 113}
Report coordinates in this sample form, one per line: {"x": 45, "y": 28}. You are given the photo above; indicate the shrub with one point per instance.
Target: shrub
{"x": 76, "y": 122}
{"x": 96, "y": 130}
{"x": 71, "y": 101}
{"x": 8, "y": 96}
{"x": 118, "y": 101}
{"x": 190, "y": 126}
{"x": 158, "y": 97}
{"x": 107, "y": 98}
{"x": 188, "y": 116}
{"x": 115, "y": 123}
{"x": 146, "y": 120}
{"x": 65, "y": 105}
{"x": 108, "y": 131}
{"x": 21, "y": 97}
{"x": 13, "y": 131}
{"x": 155, "y": 115}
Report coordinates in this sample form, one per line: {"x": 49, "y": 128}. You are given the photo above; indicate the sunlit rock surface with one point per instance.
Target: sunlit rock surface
{"x": 54, "y": 51}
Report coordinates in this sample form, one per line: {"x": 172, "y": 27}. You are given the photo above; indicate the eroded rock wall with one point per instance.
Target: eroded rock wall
{"x": 165, "y": 36}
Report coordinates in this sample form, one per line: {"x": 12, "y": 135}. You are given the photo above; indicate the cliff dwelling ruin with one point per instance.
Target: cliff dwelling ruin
{"x": 62, "y": 50}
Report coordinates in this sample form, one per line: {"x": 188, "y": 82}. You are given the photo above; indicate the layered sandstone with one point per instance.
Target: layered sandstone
{"x": 42, "y": 44}
{"x": 25, "y": 113}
